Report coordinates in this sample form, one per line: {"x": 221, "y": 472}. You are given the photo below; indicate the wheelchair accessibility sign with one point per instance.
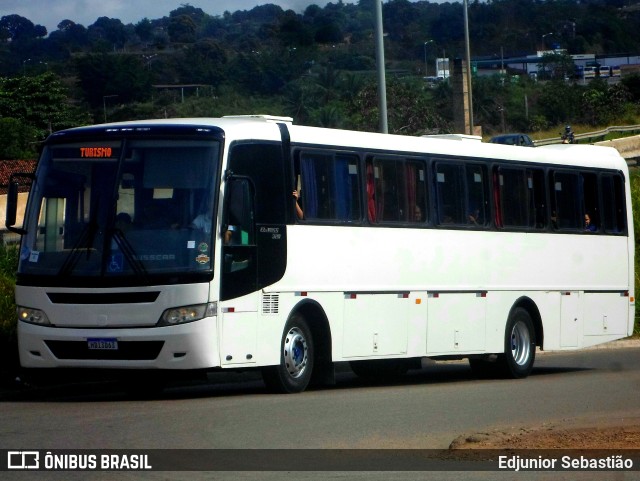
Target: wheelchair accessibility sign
{"x": 116, "y": 263}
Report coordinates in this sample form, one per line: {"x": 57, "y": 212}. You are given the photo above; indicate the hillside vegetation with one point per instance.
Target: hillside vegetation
{"x": 316, "y": 66}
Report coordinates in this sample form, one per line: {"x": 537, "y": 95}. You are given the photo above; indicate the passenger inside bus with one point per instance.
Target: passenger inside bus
{"x": 202, "y": 222}
{"x": 417, "y": 214}
{"x": 123, "y": 221}
{"x": 588, "y": 224}
{"x": 299, "y": 211}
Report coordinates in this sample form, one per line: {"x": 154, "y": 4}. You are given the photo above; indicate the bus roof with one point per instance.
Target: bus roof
{"x": 264, "y": 127}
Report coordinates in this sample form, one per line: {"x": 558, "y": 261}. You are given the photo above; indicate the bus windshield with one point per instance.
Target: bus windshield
{"x": 121, "y": 209}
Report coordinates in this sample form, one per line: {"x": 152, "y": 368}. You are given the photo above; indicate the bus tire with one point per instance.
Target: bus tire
{"x": 519, "y": 344}
{"x": 293, "y": 373}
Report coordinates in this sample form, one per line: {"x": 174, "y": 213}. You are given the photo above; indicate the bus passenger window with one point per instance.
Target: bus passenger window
{"x": 450, "y": 193}
{"x": 476, "y": 195}
{"x": 537, "y": 198}
{"x": 398, "y": 190}
{"x": 329, "y": 186}
{"x": 514, "y": 197}
{"x": 613, "y": 204}
{"x": 591, "y": 202}
{"x": 566, "y": 201}
{"x": 461, "y": 194}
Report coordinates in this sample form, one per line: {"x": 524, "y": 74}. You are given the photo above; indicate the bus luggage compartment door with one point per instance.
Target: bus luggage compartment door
{"x": 375, "y": 324}
{"x": 238, "y": 334}
{"x": 456, "y": 322}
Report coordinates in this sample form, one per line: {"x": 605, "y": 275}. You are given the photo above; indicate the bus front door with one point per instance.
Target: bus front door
{"x": 239, "y": 302}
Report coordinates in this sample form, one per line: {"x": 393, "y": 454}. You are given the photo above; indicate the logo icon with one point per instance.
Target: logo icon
{"x": 23, "y": 460}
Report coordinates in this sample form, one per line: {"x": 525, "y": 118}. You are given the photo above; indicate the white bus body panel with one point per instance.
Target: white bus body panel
{"x": 460, "y": 287}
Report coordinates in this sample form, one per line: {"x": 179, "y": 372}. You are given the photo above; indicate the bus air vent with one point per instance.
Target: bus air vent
{"x": 270, "y": 303}
{"x": 103, "y": 298}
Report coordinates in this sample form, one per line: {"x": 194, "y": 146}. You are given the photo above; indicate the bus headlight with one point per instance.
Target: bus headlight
{"x": 33, "y": 316}
{"x": 181, "y": 315}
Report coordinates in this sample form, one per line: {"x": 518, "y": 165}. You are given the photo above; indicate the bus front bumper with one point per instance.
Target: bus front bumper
{"x": 191, "y": 345}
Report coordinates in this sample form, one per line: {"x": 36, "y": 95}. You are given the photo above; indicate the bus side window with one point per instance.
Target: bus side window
{"x": 613, "y": 217}
{"x": 477, "y": 199}
{"x": 450, "y": 193}
{"x": 461, "y": 194}
{"x": 537, "y": 197}
{"x": 399, "y": 193}
{"x": 329, "y": 186}
{"x": 566, "y": 205}
{"x": 514, "y": 197}
{"x": 591, "y": 200}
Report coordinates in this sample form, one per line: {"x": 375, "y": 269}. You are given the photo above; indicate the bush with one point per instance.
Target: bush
{"x": 634, "y": 179}
{"x": 8, "y": 319}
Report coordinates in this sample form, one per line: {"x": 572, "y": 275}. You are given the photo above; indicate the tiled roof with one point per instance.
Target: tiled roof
{"x": 8, "y": 167}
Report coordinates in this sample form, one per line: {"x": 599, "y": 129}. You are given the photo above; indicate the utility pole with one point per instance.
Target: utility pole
{"x": 426, "y": 69}
{"x": 382, "y": 88}
{"x": 468, "y": 51}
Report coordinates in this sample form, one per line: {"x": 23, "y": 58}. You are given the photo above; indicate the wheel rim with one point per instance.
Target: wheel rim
{"x": 520, "y": 343}
{"x": 295, "y": 352}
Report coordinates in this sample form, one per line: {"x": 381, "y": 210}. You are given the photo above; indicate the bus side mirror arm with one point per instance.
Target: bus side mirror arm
{"x": 12, "y": 208}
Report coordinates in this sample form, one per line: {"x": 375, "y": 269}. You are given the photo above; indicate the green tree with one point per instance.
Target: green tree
{"x": 70, "y": 37}
{"x": 16, "y": 28}
{"x": 206, "y": 61}
{"x": 144, "y": 30}
{"x": 558, "y": 102}
{"x": 17, "y": 139}
{"x": 110, "y": 32}
{"x": 182, "y": 29}
{"x": 556, "y": 65}
{"x": 124, "y": 76}
{"x": 40, "y": 102}
{"x": 595, "y": 106}
{"x": 410, "y": 110}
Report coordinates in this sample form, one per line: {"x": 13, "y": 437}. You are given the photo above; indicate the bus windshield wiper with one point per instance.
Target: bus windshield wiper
{"x": 86, "y": 240}
{"x": 128, "y": 252}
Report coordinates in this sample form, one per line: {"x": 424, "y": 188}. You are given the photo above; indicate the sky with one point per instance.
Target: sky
{"x": 85, "y": 12}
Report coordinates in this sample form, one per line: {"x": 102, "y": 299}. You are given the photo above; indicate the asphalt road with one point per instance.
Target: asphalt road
{"x": 425, "y": 410}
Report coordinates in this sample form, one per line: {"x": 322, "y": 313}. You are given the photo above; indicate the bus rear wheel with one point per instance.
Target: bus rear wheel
{"x": 293, "y": 373}
{"x": 519, "y": 350}
{"x": 519, "y": 344}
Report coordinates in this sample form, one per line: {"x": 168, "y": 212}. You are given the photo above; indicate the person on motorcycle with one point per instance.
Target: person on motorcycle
{"x": 568, "y": 136}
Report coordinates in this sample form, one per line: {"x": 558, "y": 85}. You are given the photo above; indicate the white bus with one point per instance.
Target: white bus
{"x": 176, "y": 245}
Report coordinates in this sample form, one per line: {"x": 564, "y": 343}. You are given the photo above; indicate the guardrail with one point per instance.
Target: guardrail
{"x": 590, "y": 135}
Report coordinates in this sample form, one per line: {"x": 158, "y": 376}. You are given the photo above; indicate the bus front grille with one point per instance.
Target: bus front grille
{"x": 127, "y": 350}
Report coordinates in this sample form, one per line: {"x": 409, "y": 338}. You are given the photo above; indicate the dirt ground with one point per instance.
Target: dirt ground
{"x": 570, "y": 434}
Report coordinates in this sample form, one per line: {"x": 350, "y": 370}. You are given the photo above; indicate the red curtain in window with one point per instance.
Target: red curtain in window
{"x": 410, "y": 199}
{"x": 496, "y": 198}
{"x": 371, "y": 194}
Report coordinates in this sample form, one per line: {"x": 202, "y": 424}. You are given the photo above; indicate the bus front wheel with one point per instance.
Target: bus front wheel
{"x": 293, "y": 373}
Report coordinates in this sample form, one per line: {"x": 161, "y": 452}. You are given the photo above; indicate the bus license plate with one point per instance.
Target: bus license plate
{"x": 102, "y": 344}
